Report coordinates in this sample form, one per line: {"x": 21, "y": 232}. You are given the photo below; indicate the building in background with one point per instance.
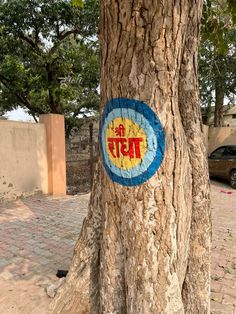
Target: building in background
{"x": 229, "y": 116}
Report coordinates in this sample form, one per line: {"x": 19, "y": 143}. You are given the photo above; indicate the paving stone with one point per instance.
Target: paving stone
{"x": 216, "y": 286}
{"x": 227, "y": 282}
{"x": 223, "y": 249}
{"x": 229, "y": 291}
{"x": 38, "y": 235}
{"x": 218, "y": 308}
{"x": 227, "y": 299}
{"x": 217, "y": 297}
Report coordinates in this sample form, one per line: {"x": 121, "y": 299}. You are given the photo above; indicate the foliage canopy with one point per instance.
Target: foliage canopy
{"x": 49, "y": 56}
{"x": 48, "y": 53}
{"x": 218, "y": 56}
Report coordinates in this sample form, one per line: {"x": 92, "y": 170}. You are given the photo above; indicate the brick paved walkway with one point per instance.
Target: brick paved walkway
{"x": 37, "y": 236}
{"x": 223, "y": 248}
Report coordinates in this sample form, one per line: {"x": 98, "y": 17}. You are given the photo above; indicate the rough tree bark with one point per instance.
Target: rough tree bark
{"x": 53, "y": 102}
{"x": 219, "y": 69}
{"x": 146, "y": 249}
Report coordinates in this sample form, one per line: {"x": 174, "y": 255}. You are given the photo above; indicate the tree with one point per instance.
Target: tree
{"x": 145, "y": 244}
{"x": 218, "y": 56}
{"x": 48, "y": 54}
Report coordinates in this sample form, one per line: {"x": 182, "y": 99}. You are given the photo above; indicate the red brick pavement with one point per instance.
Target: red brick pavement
{"x": 223, "y": 296}
{"x": 37, "y": 236}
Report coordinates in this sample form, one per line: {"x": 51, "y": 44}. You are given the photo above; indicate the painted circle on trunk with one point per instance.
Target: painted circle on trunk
{"x": 132, "y": 141}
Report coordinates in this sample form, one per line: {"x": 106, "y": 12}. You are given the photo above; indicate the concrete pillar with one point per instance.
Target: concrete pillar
{"x": 55, "y": 129}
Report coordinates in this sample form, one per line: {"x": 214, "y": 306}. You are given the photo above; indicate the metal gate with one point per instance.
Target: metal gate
{"x": 82, "y": 151}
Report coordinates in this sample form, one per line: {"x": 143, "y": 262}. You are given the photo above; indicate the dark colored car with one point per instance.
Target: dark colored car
{"x": 222, "y": 163}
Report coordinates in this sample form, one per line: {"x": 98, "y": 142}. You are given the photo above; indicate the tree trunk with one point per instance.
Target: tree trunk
{"x": 146, "y": 248}
{"x": 52, "y": 101}
{"x": 219, "y": 102}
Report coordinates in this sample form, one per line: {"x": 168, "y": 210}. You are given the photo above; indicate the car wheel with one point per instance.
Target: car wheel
{"x": 233, "y": 179}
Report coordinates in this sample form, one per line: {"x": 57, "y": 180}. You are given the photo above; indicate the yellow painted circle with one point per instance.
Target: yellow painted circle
{"x": 126, "y": 143}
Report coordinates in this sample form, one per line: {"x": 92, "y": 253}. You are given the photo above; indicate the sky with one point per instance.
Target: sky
{"x": 18, "y": 115}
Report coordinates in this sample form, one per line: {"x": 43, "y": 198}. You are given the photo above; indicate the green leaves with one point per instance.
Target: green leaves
{"x": 217, "y": 66}
{"x": 48, "y": 55}
{"x": 219, "y": 17}
{"x": 77, "y": 3}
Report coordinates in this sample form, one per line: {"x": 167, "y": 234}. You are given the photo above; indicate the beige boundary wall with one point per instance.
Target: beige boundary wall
{"x": 219, "y": 137}
{"x": 26, "y": 160}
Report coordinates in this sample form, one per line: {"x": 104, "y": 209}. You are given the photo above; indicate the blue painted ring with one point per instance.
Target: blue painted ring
{"x": 141, "y": 114}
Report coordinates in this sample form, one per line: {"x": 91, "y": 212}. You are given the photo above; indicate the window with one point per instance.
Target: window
{"x": 230, "y": 151}
{"x": 218, "y": 153}
{"x": 233, "y": 116}
{"x": 233, "y": 151}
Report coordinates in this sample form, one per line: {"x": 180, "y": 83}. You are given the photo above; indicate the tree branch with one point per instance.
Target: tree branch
{"x": 61, "y": 37}
{"x": 3, "y": 79}
{"x": 31, "y": 43}
{"x": 27, "y": 103}
{"x": 34, "y": 117}
{"x": 22, "y": 98}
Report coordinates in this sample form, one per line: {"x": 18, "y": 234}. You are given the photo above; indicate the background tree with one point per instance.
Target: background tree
{"x": 145, "y": 249}
{"x": 218, "y": 57}
{"x": 48, "y": 57}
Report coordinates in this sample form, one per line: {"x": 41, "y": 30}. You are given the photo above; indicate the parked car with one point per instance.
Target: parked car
{"x": 222, "y": 163}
